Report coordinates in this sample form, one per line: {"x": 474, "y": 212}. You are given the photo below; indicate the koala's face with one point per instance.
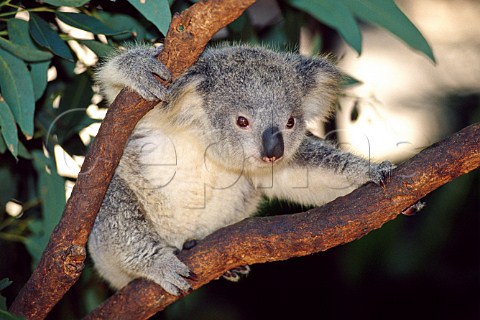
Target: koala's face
{"x": 253, "y": 104}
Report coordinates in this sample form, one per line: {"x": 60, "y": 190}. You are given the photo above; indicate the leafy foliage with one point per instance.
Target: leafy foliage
{"x": 4, "y": 314}
{"x": 36, "y": 115}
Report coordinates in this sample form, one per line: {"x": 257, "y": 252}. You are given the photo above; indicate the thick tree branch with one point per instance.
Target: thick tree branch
{"x": 63, "y": 260}
{"x": 258, "y": 240}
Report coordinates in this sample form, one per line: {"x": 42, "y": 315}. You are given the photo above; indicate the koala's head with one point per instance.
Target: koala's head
{"x": 252, "y": 104}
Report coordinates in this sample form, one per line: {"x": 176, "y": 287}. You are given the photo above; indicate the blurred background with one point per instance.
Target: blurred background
{"x": 397, "y": 101}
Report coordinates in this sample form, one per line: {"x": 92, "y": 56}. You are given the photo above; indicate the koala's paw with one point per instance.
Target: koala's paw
{"x": 237, "y": 273}
{"x": 139, "y": 67}
{"x": 380, "y": 173}
{"x": 171, "y": 274}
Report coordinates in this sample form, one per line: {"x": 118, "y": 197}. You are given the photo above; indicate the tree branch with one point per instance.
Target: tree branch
{"x": 258, "y": 240}
{"x": 63, "y": 260}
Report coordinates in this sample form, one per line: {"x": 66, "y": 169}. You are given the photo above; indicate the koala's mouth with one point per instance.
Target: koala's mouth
{"x": 271, "y": 159}
{"x": 262, "y": 161}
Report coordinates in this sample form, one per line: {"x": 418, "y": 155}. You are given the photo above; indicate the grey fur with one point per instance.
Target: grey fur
{"x": 189, "y": 168}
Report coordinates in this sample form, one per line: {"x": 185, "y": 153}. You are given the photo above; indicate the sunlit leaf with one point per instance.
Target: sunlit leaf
{"x": 386, "y": 14}
{"x": 48, "y": 38}
{"x": 8, "y": 128}
{"x": 157, "y": 12}
{"x": 17, "y": 90}
{"x": 336, "y": 15}
{"x": 84, "y": 22}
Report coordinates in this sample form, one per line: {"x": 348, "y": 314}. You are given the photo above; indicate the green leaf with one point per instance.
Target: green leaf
{"x": 4, "y": 314}
{"x": 23, "y": 152}
{"x": 336, "y": 15}
{"x": 3, "y": 146}
{"x": 67, "y": 3}
{"x": 8, "y": 128}
{"x": 51, "y": 190}
{"x": 24, "y": 52}
{"x": 100, "y": 49}
{"x": 7, "y": 315}
{"x": 38, "y": 72}
{"x": 157, "y": 12}
{"x": 19, "y": 33}
{"x": 124, "y": 23}
{"x": 5, "y": 282}
{"x": 17, "y": 90}
{"x": 71, "y": 113}
{"x": 386, "y": 14}
{"x": 48, "y": 38}
{"x": 84, "y": 22}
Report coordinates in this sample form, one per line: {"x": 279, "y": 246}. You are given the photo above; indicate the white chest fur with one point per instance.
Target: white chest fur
{"x": 183, "y": 194}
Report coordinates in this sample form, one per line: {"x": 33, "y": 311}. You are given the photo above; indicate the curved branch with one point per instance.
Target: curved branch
{"x": 343, "y": 220}
{"x": 63, "y": 260}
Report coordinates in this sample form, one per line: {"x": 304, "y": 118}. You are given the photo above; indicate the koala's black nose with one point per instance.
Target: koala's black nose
{"x": 273, "y": 147}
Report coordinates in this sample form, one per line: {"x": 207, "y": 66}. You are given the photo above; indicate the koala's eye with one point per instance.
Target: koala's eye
{"x": 242, "y": 122}
{"x": 290, "y": 123}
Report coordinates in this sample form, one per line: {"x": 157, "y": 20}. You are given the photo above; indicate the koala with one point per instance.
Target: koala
{"x": 228, "y": 132}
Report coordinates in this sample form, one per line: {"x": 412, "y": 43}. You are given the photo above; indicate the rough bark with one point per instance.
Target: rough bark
{"x": 63, "y": 260}
{"x": 258, "y": 240}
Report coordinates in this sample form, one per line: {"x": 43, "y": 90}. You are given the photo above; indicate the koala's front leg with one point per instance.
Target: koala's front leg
{"x": 135, "y": 68}
{"x": 315, "y": 152}
{"x": 124, "y": 245}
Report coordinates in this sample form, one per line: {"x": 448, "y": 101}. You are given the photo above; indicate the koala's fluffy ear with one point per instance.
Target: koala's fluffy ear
{"x": 320, "y": 79}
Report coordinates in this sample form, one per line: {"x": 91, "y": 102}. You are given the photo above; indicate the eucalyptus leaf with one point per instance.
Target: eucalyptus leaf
{"x": 128, "y": 25}
{"x": 336, "y": 15}
{"x": 51, "y": 190}
{"x": 100, "y": 49}
{"x": 23, "y": 152}
{"x": 84, "y": 22}
{"x": 386, "y": 14}
{"x": 157, "y": 12}
{"x": 24, "y": 52}
{"x": 8, "y": 191}
{"x": 3, "y": 146}
{"x": 45, "y": 36}
{"x": 19, "y": 33}
{"x": 38, "y": 72}
{"x": 5, "y": 282}
{"x": 8, "y": 128}
{"x": 67, "y": 3}
{"x": 17, "y": 90}
{"x": 71, "y": 113}
{"x": 5, "y": 315}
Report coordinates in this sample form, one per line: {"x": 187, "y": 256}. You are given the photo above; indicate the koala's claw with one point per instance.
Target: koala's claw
{"x": 171, "y": 274}
{"x": 380, "y": 173}
{"x": 237, "y": 273}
